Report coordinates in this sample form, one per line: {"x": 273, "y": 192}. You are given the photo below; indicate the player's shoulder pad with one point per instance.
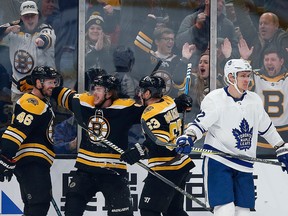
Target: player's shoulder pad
{"x": 85, "y": 99}
{"x": 123, "y": 102}
{"x": 32, "y": 104}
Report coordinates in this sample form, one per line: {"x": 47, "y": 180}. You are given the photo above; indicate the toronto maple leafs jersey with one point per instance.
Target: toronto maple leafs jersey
{"x": 113, "y": 123}
{"x": 25, "y": 55}
{"x": 29, "y": 137}
{"x": 163, "y": 120}
{"x": 233, "y": 125}
{"x": 273, "y": 92}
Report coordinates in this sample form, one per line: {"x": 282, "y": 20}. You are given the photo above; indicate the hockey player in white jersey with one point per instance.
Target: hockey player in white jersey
{"x": 232, "y": 117}
{"x": 30, "y": 44}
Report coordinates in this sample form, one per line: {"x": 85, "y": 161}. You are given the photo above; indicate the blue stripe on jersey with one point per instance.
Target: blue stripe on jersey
{"x": 233, "y": 160}
{"x": 261, "y": 133}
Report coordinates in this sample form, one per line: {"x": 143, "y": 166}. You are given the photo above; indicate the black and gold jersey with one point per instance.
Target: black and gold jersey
{"x": 163, "y": 120}
{"x": 29, "y": 137}
{"x": 112, "y": 122}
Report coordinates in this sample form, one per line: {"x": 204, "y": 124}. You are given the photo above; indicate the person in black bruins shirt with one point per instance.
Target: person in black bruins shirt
{"x": 27, "y": 143}
{"x": 162, "y": 117}
{"x": 98, "y": 166}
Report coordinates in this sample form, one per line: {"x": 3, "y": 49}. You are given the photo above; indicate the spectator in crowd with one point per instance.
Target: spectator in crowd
{"x": 110, "y": 11}
{"x": 279, "y": 7}
{"x": 123, "y": 59}
{"x": 30, "y": 44}
{"x": 162, "y": 62}
{"x": 268, "y": 34}
{"x": 270, "y": 83}
{"x": 48, "y": 9}
{"x": 195, "y": 29}
{"x": 97, "y": 45}
{"x": 65, "y": 136}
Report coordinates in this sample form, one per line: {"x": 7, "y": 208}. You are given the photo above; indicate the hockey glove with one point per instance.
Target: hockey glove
{"x": 184, "y": 103}
{"x": 24, "y": 84}
{"x": 134, "y": 154}
{"x": 6, "y": 168}
{"x": 282, "y": 155}
{"x": 184, "y": 144}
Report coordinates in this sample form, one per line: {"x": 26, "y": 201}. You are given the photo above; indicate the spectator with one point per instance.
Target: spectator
{"x": 31, "y": 44}
{"x": 97, "y": 44}
{"x": 49, "y": 9}
{"x": 195, "y": 29}
{"x": 269, "y": 34}
{"x": 162, "y": 62}
{"x": 279, "y": 7}
{"x": 123, "y": 59}
{"x": 65, "y": 136}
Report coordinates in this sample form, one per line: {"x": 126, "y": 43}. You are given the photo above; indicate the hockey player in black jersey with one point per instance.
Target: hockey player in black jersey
{"x": 162, "y": 117}
{"x": 98, "y": 166}
{"x": 27, "y": 143}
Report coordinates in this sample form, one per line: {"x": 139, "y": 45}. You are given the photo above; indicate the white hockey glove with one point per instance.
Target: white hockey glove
{"x": 282, "y": 155}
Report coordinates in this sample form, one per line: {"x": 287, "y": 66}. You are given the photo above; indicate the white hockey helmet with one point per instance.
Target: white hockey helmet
{"x": 234, "y": 66}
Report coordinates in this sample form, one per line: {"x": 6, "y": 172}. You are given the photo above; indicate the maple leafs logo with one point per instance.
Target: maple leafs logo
{"x": 243, "y": 136}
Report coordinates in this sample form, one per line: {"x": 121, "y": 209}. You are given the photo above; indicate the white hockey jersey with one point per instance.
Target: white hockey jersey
{"x": 233, "y": 126}
{"x": 24, "y": 55}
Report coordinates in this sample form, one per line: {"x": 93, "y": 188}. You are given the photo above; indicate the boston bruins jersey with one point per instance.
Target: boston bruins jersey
{"x": 29, "y": 137}
{"x": 112, "y": 123}
{"x": 163, "y": 120}
{"x": 273, "y": 92}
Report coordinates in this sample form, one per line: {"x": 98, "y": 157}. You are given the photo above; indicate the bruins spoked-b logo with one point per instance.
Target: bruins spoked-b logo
{"x": 23, "y": 62}
{"x": 100, "y": 126}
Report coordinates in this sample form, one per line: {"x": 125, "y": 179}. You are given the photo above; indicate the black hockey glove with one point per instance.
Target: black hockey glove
{"x": 184, "y": 103}
{"x": 134, "y": 154}
{"x": 6, "y": 168}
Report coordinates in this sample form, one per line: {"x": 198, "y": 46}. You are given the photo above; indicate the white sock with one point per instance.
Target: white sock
{"x": 225, "y": 210}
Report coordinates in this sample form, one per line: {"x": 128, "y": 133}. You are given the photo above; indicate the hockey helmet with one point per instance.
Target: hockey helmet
{"x": 234, "y": 66}
{"x": 155, "y": 84}
{"x": 45, "y": 72}
{"x": 123, "y": 57}
{"x": 107, "y": 81}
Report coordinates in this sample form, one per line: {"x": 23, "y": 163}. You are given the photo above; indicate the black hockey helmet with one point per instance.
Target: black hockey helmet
{"x": 123, "y": 58}
{"x": 108, "y": 81}
{"x": 45, "y": 72}
{"x": 155, "y": 84}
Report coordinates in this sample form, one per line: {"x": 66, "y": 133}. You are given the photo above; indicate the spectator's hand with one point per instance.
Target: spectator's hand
{"x": 6, "y": 168}
{"x": 73, "y": 144}
{"x": 201, "y": 17}
{"x": 226, "y": 48}
{"x": 108, "y": 9}
{"x": 244, "y": 50}
{"x": 282, "y": 155}
{"x": 188, "y": 50}
{"x": 13, "y": 28}
{"x": 99, "y": 43}
{"x": 39, "y": 42}
{"x": 152, "y": 16}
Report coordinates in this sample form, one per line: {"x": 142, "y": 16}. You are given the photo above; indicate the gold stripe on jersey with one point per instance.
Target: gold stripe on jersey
{"x": 143, "y": 41}
{"x": 272, "y": 79}
{"x": 32, "y": 104}
{"x": 14, "y": 135}
{"x": 159, "y": 164}
{"x": 100, "y": 160}
{"x": 121, "y": 103}
{"x": 63, "y": 97}
{"x": 86, "y": 100}
{"x": 164, "y": 136}
{"x": 35, "y": 150}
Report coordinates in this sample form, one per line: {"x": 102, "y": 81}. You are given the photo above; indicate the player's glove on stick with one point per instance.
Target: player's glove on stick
{"x": 184, "y": 144}
{"x": 134, "y": 154}
{"x": 184, "y": 103}
{"x": 6, "y": 168}
{"x": 282, "y": 155}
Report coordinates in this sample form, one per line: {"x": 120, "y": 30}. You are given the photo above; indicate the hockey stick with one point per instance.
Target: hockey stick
{"x": 149, "y": 133}
{"x": 157, "y": 175}
{"x": 186, "y": 91}
{"x": 55, "y": 206}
